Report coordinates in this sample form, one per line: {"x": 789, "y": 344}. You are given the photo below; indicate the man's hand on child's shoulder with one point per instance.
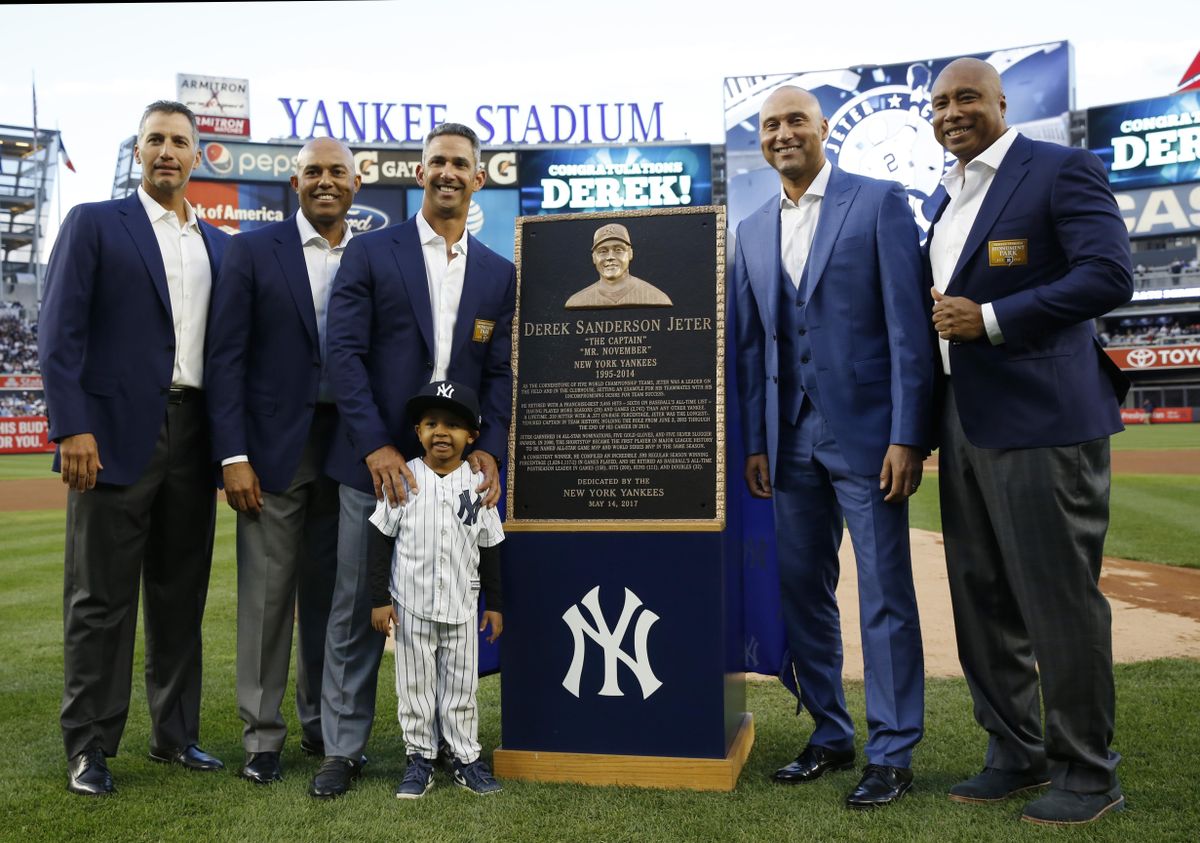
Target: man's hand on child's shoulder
{"x": 382, "y": 617}
{"x": 496, "y": 620}
{"x": 485, "y": 464}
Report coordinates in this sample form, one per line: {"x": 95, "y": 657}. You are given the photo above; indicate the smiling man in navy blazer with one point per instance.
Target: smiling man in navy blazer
{"x": 121, "y": 346}
{"x": 835, "y": 382}
{"x": 273, "y": 419}
{"x": 413, "y": 303}
{"x": 1027, "y": 250}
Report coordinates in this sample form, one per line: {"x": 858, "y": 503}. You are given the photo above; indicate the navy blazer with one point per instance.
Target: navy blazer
{"x": 867, "y": 320}
{"x": 106, "y": 337}
{"x": 1049, "y": 383}
{"x": 262, "y": 364}
{"x": 380, "y": 345}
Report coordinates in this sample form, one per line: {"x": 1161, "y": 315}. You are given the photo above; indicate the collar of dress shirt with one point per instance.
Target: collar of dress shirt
{"x": 815, "y": 190}
{"x": 990, "y": 157}
{"x": 308, "y": 233}
{"x": 156, "y": 211}
{"x": 428, "y": 235}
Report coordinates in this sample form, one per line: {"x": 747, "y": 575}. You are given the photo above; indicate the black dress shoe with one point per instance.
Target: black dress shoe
{"x": 262, "y": 768}
{"x": 880, "y": 786}
{"x": 334, "y": 777}
{"x": 316, "y": 749}
{"x": 813, "y": 763}
{"x": 88, "y": 775}
{"x": 190, "y": 757}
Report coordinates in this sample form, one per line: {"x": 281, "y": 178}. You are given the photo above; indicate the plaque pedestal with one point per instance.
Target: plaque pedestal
{"x": 621, "y": 660}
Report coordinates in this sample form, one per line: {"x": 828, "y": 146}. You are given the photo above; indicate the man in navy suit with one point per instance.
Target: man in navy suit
{"x": 273, "y": 418}
{"x": 121, "y": 345}
{"x": 835, "y": 383}
{"x": 1027, "y": 250}
{"x": 414, "y": 303}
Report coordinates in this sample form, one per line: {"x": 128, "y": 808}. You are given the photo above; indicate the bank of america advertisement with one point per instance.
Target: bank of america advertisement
{"x": 614, "y": 178}
{"x": 1148, "y": 143}
{"x": 879, "y": 120}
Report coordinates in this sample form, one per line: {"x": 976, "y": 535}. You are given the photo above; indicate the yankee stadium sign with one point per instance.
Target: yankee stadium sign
{"x": 396, "y": 122}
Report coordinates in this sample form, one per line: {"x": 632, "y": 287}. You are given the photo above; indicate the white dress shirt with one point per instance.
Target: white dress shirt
{"x": 322, "y": 261}
{"x": 967, "y": 187}
{"x": 189, "y": 285}
{"x": 798, "y": 224}
{"x": 445, "y": 276}
{"x": 439, "y": 530}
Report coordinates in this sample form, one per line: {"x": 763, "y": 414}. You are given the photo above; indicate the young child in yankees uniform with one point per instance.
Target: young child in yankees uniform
{"x": 427, "y": 588}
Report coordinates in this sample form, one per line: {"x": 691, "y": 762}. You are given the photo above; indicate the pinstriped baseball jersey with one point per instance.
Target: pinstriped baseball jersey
{"x": 439, "y": 530}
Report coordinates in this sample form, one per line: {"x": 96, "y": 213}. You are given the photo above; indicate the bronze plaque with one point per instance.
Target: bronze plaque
{"x": 618, "y": 372}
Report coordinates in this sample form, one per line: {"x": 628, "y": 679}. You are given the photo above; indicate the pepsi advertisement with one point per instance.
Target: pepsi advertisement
{"x": 1148, "y": 143}
{"x": 615, "y": 178}
{"x": 239, "y": 160}
{"x": 879, "y": 120}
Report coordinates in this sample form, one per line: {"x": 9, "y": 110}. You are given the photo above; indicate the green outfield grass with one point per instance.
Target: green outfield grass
{"x": 25, "y": 466}
{"x": 1152, "y": 517}
{"x": 1158, "y": 732}
{"x": 1157, "y": 437}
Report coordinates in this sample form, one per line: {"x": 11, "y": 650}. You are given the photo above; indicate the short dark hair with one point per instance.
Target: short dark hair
{"x": 459, "y": 129}
{"x": 169, "y": 107}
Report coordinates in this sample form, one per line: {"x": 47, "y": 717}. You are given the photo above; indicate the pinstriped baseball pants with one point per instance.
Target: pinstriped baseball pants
{"x": 437, "y": 675}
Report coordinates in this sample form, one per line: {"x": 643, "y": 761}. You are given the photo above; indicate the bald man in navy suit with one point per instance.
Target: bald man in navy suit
{"x": 273, "y": 419}
{"x": 121, "y": 346}
{"x": 1026, "y": 251}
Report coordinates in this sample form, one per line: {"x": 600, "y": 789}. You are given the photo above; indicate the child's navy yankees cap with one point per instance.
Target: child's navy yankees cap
{"x": 445, "y": 395}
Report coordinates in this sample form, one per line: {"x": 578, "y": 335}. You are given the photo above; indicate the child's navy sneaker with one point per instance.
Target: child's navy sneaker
{"x": 418, "y": 778}
{"x": 475, "y": 777}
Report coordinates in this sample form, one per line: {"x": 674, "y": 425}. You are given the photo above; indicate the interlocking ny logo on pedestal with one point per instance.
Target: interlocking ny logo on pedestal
{"x": 610, "y": 643}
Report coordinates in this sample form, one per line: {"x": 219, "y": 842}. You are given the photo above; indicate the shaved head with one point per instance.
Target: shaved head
{"x": 968, "y": 107}
{"x": 791, "y": 133}
{"x": 324, "y": 147}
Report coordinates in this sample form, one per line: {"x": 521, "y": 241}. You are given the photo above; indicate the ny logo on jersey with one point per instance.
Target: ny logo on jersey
{"x": 445, "y": 390}
{"x": 610, "y": 643}
{"x": 468, "y": 512}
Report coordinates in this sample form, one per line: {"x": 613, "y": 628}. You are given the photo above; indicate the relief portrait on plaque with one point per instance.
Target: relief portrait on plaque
{"x": 612, "y": 252}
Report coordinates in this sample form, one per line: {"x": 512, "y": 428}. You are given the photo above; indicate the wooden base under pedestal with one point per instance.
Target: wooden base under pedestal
{"x": 633, "y": 770}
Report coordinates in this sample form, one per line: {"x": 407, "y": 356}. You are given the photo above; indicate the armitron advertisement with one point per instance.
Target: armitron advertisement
{"x": 221, "y": 104}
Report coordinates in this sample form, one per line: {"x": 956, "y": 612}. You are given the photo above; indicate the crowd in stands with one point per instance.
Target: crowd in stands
{"x": 25, "y": 402}
{"x": 1165, "y": 329}
{"x": 18, "y": 345}
{"x": 1178, "y": 273}
{"x": 18, "y": 356}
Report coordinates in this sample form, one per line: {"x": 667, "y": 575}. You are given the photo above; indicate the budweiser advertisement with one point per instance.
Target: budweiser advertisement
{"x": 1145, "y": 357}
{"x": 24, "y": 435}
